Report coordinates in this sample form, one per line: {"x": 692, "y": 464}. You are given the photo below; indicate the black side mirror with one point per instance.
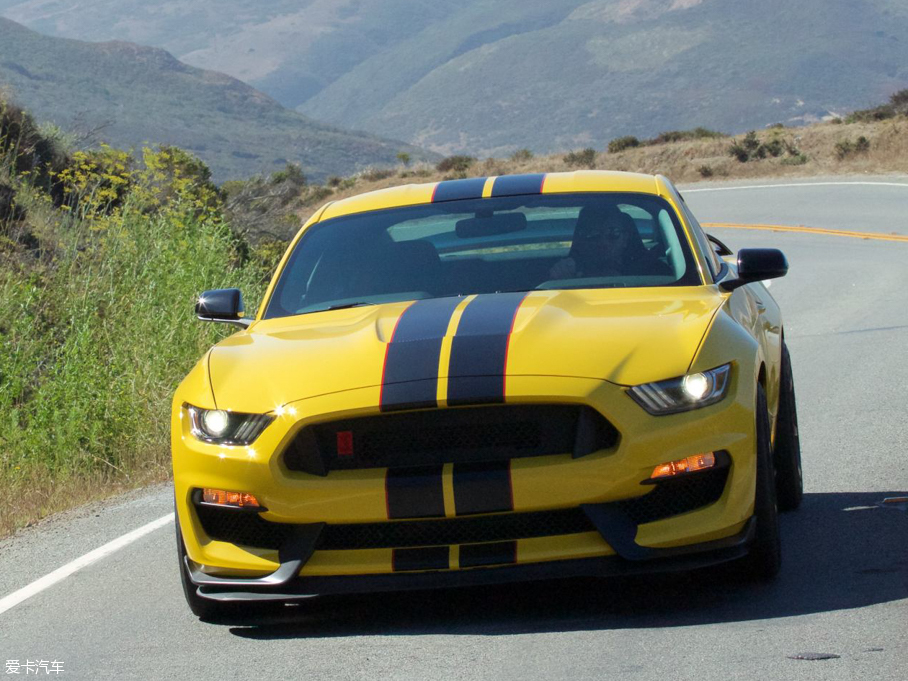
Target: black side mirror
{"x": 222, "y": 305}
{"x": 757, "y": 264}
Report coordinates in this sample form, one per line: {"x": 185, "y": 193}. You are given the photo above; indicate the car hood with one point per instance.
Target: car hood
{"x": 625, "y": 336}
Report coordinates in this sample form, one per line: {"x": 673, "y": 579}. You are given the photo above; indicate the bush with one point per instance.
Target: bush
{"x": 738, "y": 150}
{"x": 521, "y": 155}
{"x": 291, "y": 174}
{"x": 897, "y": 106}
{"x": 794, "y": 160}
{"x": 376, "y": 174}
{"x": 705, "y": 171}
{"x": 685, "y": 135}
{"x": 456, "y": 164}
{"x": 846, "y": 148}
{"x": 750, "y": 148}
{"x": 584, "y": 157}
{"x": 619, "y": 144}
{"x": 774, "y": 147}
{"x": 101, "y": 329}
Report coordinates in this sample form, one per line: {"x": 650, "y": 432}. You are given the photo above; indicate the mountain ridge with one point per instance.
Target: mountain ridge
{"x": 139, "y": 94}
{"x": 487, "y": 77}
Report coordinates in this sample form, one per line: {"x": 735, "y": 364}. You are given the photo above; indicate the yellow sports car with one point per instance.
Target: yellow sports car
{"x": 484, "y": 380}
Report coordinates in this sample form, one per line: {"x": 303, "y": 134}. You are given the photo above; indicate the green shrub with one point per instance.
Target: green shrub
{"x": 774, "y": 147}
{"x": 846, "y": 148}
{"x": 376, "y": 174}
{"x": 897, "y": 106}
{"x": 521, "y": 155}
{"x": 750, "y": 148}
{"x": 794, "y": 160}
{"x": 585, "y": 158}
{"x": 621, "y": 143}
{"x": 291, "y": 174}
{"x": 685, "y": 135}
{"x": 456, "y": 164}
{"x": 403, "y": 157}
{"x": 739, "y": 151}
{"x": 98, "y": 329}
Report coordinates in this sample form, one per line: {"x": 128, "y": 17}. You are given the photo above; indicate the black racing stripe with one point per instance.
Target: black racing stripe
{"x": 482, "y": 487}
{"x": 479, "y": 349}
{"x": 415, "y": 492}
{"x": 410, "y": 376}
{"x": 497, "y": 553}
{"x": 452, "y": 190}
{"x": 428, "y": 558}
{"x": 513, "y": 185}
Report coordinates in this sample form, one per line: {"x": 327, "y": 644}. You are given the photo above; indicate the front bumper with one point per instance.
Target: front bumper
{"x": 546, "y": 483}
{"x": 285, "y": 583}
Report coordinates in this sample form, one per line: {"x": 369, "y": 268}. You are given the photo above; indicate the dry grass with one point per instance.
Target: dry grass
{"x": 42, "y": 493}
{"x": 693, "y": 161}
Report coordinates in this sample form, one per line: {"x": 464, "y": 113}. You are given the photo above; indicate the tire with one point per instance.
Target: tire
{"x": 787, "y": 450}
{"x": 764, "y": 560}
{"x": 203, "y": 608}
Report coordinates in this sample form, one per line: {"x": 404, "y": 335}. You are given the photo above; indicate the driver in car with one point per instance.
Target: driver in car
{"x": 607, "y": 244}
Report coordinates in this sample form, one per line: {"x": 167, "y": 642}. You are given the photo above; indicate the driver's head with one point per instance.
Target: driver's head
{"x": 602, "y": 230}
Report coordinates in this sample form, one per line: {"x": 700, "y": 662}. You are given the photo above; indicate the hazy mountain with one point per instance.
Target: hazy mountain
{"x": 494, "y": 75}
{"x": 142, "y": 95}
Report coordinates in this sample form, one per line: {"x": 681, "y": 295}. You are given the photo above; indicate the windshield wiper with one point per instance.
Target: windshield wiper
{"x": 345, "y": 306}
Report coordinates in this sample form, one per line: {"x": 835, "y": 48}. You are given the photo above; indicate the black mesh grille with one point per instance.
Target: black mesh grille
{"x": 666, "y": 500}
{"x": 499, "y": 527}
{"x": 251, "y": 530}
{"x": 435, "y": 436}
{"x": 677, "y": 496}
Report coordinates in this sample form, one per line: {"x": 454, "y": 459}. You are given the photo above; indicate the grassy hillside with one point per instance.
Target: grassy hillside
{"x": 873, "y": 141}
{"x": 490, "y": 76}
{"x": 137, "y": 95}
{"x": 100, "y": 264}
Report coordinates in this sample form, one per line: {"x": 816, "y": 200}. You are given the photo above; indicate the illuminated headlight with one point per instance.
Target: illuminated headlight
{"x": 226, "y": 427}
{"x": 683, "y": 393}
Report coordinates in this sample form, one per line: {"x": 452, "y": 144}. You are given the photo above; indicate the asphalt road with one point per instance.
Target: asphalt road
{"x": 843, "y": 588}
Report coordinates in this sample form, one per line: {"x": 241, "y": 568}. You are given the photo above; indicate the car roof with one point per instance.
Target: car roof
{"x": 503, "y": 185}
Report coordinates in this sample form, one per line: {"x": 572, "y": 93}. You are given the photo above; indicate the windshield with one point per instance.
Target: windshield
{"x": 456, "y": 248}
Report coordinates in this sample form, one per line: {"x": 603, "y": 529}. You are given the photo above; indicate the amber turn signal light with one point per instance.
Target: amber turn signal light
{"x": 691, "y": 464}
{"x": 221, "y": 497}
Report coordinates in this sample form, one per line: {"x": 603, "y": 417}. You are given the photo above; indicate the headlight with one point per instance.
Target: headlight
{"x": 683, "y": 393}
{"x": 226, "y": 427}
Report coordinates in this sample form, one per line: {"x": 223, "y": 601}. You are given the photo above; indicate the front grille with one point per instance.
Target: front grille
{"x": 251, "y": 530}
{"x": 665, "y": 500}
{"x": 438, "y": 436}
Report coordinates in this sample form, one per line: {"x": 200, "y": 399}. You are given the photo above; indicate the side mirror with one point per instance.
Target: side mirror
{"x": 757, "y": 264}
{"x": 222, "y": 305}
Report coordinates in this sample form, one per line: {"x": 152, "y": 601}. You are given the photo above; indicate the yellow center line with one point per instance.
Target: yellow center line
{"x": 809, "y": 230}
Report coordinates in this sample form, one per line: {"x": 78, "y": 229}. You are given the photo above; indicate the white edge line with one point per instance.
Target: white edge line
{"x": 62, "y": 573}
{"x": 794, "y": 184}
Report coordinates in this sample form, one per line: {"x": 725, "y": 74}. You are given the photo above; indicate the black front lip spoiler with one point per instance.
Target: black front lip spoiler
{"x": 284, "y": 584}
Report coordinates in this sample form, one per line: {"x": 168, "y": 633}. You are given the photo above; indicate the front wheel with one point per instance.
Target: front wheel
{"x": 764, "y": 560}
{"x": 203, "y": 608}
{"x": 787, "y": 449}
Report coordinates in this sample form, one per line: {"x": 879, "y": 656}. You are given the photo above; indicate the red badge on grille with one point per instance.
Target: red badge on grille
{"x": 345, "y": 443}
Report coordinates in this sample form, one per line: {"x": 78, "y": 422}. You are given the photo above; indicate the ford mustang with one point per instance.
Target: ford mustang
{"x": 484, "y": 380}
